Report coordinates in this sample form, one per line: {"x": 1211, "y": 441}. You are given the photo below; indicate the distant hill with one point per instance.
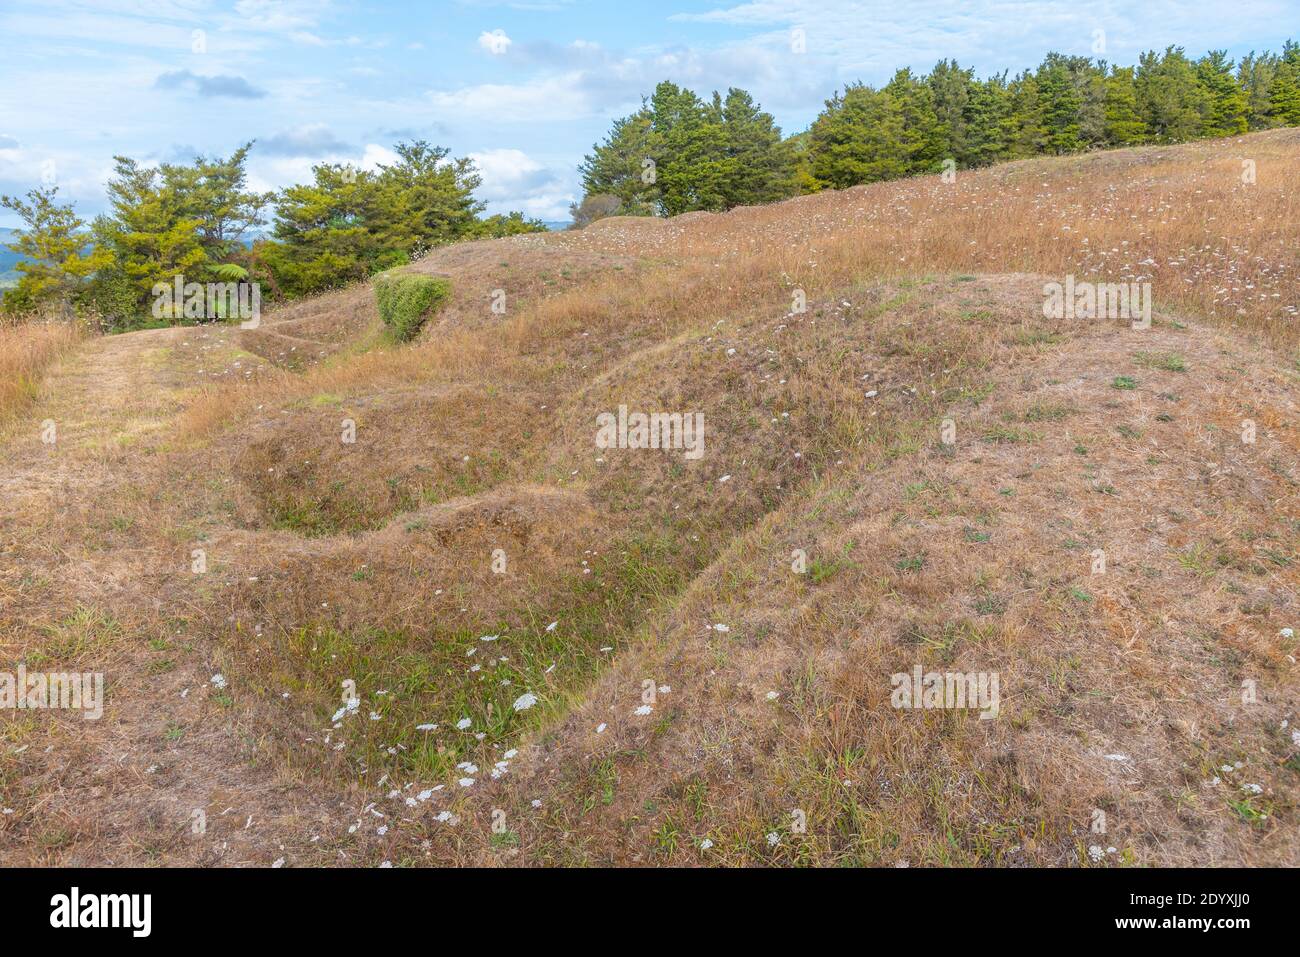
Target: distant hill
{"x": 8, "y": 259}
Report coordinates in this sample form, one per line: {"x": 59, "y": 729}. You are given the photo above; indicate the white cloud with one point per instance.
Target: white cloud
{"x": 873, "y": 38}
{"x": 495, "y": 42}
{"x": 545, "y": 99}
{"x": 270, "y": 173}
{"x": 504, "y": 171}
{"x": 514, "y": 180}
{"x": 276, "y": 16}
{"x": 310, "y": 140}
{"x": 375, "y": 155}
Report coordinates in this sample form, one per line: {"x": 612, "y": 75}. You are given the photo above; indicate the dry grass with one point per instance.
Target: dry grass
{"x": 1212, "y": 247}
{"x": 372, "y": 561}
{"x": 26, "y": 351}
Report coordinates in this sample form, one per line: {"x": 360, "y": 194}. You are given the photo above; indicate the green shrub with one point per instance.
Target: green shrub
{"x": 406, "y": 299}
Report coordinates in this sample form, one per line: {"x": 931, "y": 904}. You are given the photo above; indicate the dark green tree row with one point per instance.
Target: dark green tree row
{"x": 679, "y": 153}
{"x": 201, "y": 222}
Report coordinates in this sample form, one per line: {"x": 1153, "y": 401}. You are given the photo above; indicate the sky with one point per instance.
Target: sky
{"x": 524, "y": 88}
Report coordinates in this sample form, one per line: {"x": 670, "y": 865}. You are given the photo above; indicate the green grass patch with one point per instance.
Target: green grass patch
{"x": 1003, "y": 435}
{"x": 1165, "y": 361}
{"x": 440, "y": 675}
{"x": 406, "y": 299}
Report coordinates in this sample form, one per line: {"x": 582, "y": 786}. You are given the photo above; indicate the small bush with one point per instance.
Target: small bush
{"x": 405, "y": 301}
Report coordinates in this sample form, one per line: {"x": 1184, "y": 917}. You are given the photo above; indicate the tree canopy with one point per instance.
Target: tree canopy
{"x": 199, "y": 221}
{"x": 680, "y": 153}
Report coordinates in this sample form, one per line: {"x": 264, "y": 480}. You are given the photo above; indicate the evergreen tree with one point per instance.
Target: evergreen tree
{"x": 1226, "y": 115}
{"x": 1089, "y": 81}
{"x": 857, "y": 139}
{"x": 679, "y": 153}
{"x": 1255, "y": 77}
{"x": 211, "y": 192}
{"x": 175, "y": 220}
{"x": 620, "y": 166}
{"x": 1284, "y": 91}
{"x": 952, "y": 90}
{"x": 58, "y": 257}
{"x": 692, "y": 169}
{"x": 1171, "y": 101}
{"x": 424, "y": 199}
{"x": 1124, "y": 125}
{"x": 322, "y": 232}
{"x": 989, "y": 124}
{"x": 1059, "y": 102}
{"x": 152, "y": 238}
{"x": 507, "y": 224}
{"x": 349, "y": 224}
{"x": 919, "y": 135}
{"x": 1027, "y": 124}
{"x": 799, "y": 146}
{"x": 760, "y": 166}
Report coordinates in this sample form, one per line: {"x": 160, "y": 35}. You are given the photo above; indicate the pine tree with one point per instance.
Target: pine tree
{"x": 693, "y": 165}
{"x": 799, "y": 146}
{"x": 951, "y": 89}
{"x": 1171, "y": 101}
{"x": 506, "y": 224}
{"x": 1124, "y": 125}
{"x": 1089, "y": 81}
{"x": 1027, "y": 126}
{"x": 623, "y": 165}
{"x": 175, "y": 220}
{"x": 349, "y": 224}
{"x": 150, "y": 238}
{"x": 679, "y": 153}
{"x": 857, "y": 139}
{"x": 759, "y": 165}
{"x": 322, "y": 233}
{"x": 211, "y": 192}
{"x": 920, "y": 136}
{"x": 1255, "y": 77}
{"x": 1060, "y": 101}
{"x": 1284, "y": 96}
{"x": 1284, "y": 92}
{"x": 988, "y": 121}
{"x": 1228, "y": 107}
{"x": 424, "y": 199}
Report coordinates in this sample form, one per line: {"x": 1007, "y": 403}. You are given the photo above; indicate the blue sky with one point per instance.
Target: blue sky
{"x": 525, "y": 87}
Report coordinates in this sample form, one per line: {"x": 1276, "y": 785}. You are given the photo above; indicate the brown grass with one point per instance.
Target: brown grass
{"x": 371, "y": 561}
{"x": 1181, "y": 218}
{"x": 26, "y": 351}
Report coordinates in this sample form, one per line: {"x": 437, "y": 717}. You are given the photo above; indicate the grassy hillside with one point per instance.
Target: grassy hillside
{"x": 472, "y": 635}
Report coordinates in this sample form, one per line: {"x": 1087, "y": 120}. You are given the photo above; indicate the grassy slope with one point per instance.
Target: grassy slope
{"x": 26, "y": 352}
{"x": 372, "y": 561}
